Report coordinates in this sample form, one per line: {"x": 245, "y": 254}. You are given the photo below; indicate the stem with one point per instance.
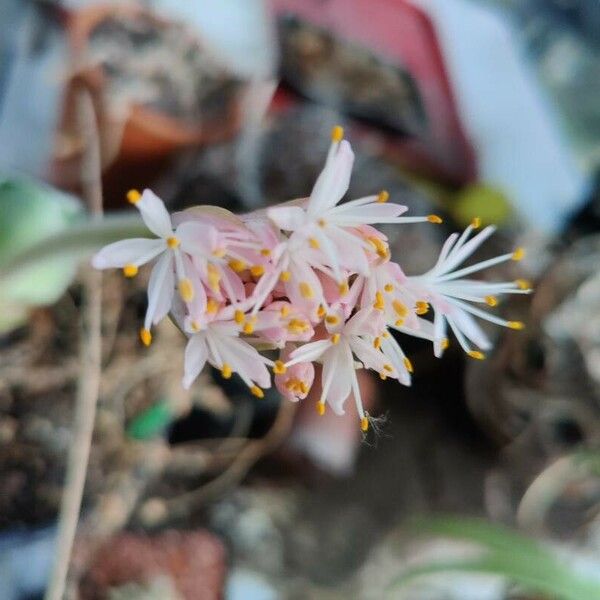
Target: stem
{"x": 89, "y": 378}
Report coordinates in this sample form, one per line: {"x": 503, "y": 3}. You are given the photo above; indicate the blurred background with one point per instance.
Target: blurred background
{"x": 465, "y": 108}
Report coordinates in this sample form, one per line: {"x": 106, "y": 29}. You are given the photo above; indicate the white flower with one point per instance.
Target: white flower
{"x": 454, "y": 298}
{"x": 219, "y": 344}
{"x": 175, "y": 250}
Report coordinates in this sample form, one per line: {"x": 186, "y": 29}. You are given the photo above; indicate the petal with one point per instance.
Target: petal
{"x": 160, "y": 290}
{"x": 288, "y": 218}
{"x": 136, "y": 251}
{"x": 309, "y": 352}
{"x": 368, "y": 214}
{"x": 197, "y": 238}
{"x": 338, "y": 367}
{"x": 155, "y": 214}
{"x": 333, "y": 182}
{"x": 196, "y": 354}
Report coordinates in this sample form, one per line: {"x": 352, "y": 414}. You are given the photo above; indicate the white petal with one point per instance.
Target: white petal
{"x": 160, "y": 290}
{"x": 245, "y": 360}
{"x": 196, "y": 354}
{"x": 309, "y": 352}
{"x": 136, "y": 251}
{"x": 155, "y": 214}
{"x": 338, "y": 367}
{"x": 197, "y": 238}
{"x": 333, "y": 182}
{"x": 288, "y": 218}
{"x": 367, "y": 214}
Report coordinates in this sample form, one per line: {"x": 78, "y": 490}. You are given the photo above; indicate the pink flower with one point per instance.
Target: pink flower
{"x": 295, "y": 382}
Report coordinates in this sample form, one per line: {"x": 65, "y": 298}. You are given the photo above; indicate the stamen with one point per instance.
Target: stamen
{"x": 377, "y": 343}
{"x": 321, "y": 311}
{"x": 422, "y": 307}
{"x": 364, "y": 424}
{"x": 523, "y": 284}
{"x": 257, "y": 270}
{"x": 382, "y": 376}
{"x": 476, "y": 223}
{"x": 476, "y": 355}
{"x": 388, "y": 367}
{"x": 239, "y": 316}
{"x": 298, "y": 326}
{"x": 335, "y": 338}
{"x": 236, "y": 265}
{"x": 400, "y": 308}
{"x": 332, "y": 319}
{"x": 306, "y": 290}
{"x": 130, "y": 270}
{"x": 399, "y": 322}
{"x": 379, "y": 246}
{"x": 518, "y": 254}
{"x": 385, "y": 334}
{"x": 383, "y": 196}
{"x": 388, "y": 287}
{"x": 249, "y": 326}
{"x": 256, "y": 391}
{"x": 279, "y": 367}
{"x": 321, "y": 222}
{"x": 343, "y": 288}
{"x": 491, "y": 301}
{"x": 314, "y": 243}
{"x": 435, "y": 219}
{"x": 173, "y": 242}
{"x": 196, "y": 326}
{"x": 379, "y": 303}
{"x": 516, "y": 325}
{"x": 303, "y": 387}
{"x": 337, "y": 134}
{"x": 133, "y": 196}
{"x": 212, "y": 306}
{"x": 285, "y": 276}
{"x": 219, "y": 252}
{"x": 284, "y": 311}
{"x": 265, "y": 252}
{"x": 408, "y": 365}
{"x": 214, "y": 277}
{"x": 146, "y": 337}
{"x": 321, "y": 408}
{"x": 226, "y": 371}
{"x": 445, "y": 343}
{"x": 186, "y": 290}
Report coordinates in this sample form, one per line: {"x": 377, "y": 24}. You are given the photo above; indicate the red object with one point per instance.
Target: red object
{"x": 403, "y": 35}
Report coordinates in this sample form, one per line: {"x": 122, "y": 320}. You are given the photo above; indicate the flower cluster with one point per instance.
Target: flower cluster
{"x": 311, "y": 279}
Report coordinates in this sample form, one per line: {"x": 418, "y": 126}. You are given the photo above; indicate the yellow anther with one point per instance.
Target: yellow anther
{"x": 476, "y": 355}
{"x": 332, "y": 319}
{"x": 130, "y": 270}
{"x": 237, "y": 265}
{"x": 518, "y": 254}
{"x": 382, "y": 376}
{"x": 322, "y": 223}
{"x": 321, "y": 408}
{"x": 445, "y": 343}
{"x": 303, "y": 387}
{"x": 408, "y": 365}
{"x": 379, "y": 303}
{"x": 133, "y": 196}
{"x": 214, "y": 277}
{"x": 343, "y": 288}
{"x": 379, "y": 246}
{"x": 400, "y": 308}
{"x": 383, "y": 196}
{"x": 298, "y": 326}
{"x": 306, "y": 290}
{"x": 314, "y": 243}
{"x": 476, "y": 223}
{"x": 219, "y": 252}
{"x": 523, "y": 284}
{"x": 239, "y": 316}
{"x": 335, "y": 338}
{"x": 321, "y": 311}
{"x": 265, "y": 252}
{"x": 516, "y": 325}
{"x": 212, "y": 306}
{"x": 256, "y": 391}
{"x": 364, "y": 424}
{"x": 399, "y": 322}
{"x": 377, "y": 343}
{"x": 385, "y": 334}
{"x": 292, "y": 384}
{"x": 257, "y": 270}
{"x": 388, "y": 367}
{"x": 388, "y": 287}
{"x": 173, "y": 242}
{"x": 146, "y": 337}
{"x": 279, "y": 367}
{"x": 248, "y": 328}
{"x": 226, "y": 371}
{"x": 196, "y": 326}
{"x": 186, "y": 290}
{"x": 491, "y": 300}
{"x": 284, "y": 311}
{"x": 422, "y": 307}
{"x": 434, "y": 219}
{"x": 337, "y": 134}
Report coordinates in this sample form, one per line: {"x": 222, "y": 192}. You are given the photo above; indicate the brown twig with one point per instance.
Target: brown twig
{"x": 89, "y": 378}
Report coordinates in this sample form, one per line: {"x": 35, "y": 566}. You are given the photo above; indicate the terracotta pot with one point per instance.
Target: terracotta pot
{"x": 144, "y": 134}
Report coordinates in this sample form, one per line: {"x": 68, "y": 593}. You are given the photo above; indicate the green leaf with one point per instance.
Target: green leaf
{"x": 152, "y": 422}
{"x": 504, "y": 553}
